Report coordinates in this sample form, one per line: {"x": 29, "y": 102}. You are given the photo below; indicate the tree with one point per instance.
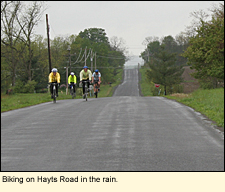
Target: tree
{"x": 206, "y": 49}
{"x": 10, "y": 35}
{"x": 27, "y": 23}
{"x": 163, "y": 69}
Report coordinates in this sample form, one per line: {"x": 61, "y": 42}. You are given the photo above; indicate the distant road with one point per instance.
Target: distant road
{"x": 125, "y": 132}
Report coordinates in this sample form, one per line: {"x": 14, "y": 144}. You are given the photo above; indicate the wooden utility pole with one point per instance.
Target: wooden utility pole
{"x": 66, "y": 80}
{"x": 95, "y": 60}
{"x": 85, "y": 56}
{"x": 49, "y": 52}
{"x": 91, "y": 61}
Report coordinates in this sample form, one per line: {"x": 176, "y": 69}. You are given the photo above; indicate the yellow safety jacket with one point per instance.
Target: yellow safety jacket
{"x": 54, "y": 78}
{"x": 72, "y": 79}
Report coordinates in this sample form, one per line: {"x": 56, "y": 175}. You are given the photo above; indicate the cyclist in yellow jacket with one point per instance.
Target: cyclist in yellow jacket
{"x": 54, "y": 77}
{"x": 85, "y": 75}
{"x": 72, "y": 80}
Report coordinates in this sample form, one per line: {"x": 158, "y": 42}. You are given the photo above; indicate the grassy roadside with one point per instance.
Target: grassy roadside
{"x": 144, "y": 84}
{"x": 208, "y": 102}
{"x": 20, "y": 100}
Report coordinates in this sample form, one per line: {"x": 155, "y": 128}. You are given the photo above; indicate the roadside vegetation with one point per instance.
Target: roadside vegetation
{"x": 20, "y": 100}
{"x": 201, "y": 46}
{"x": 209, "y": 102}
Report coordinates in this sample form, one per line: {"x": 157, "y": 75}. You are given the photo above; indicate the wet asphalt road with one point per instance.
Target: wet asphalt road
{"x": 123, "y": 133}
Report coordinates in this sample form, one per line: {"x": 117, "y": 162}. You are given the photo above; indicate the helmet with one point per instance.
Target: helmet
{"x": 72, "y": 73}
{"x": 54, "y": 70}
{"x": 85, "y": 67}
{"x": 96, "y": 70}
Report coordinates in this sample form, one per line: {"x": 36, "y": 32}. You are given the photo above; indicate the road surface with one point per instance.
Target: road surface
{"x": 125, "y": 132}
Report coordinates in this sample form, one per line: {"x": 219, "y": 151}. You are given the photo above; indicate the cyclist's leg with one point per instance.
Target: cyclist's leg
{"x": 51, "y": 90}
{"x": 88, "y": 84}
{"x": 96, "y": 86}
{"x": 56, "y": 90}
{"x": 83, "y": 85}
{"x": 73, "y": 87}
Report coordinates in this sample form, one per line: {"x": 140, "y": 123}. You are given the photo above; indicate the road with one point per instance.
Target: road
{"x": 125, "y": 132}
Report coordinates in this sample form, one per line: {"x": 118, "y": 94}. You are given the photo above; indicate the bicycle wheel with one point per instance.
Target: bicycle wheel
{"x": 54, "y": 94}
{"x": 71, "y": 92}
{"x": 86, "y": 93}
{"x": 96, "y": 93}
{"x": 74, "y": 93}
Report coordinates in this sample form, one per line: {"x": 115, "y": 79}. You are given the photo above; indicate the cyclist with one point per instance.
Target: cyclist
{"x": 85, "y": 75}
{"x": 72, "y": 80}
{"x": 54, "y": 77}
{"x": 96, "y": 80}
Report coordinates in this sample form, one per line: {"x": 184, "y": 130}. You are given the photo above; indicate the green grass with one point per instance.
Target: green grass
{"x": 20, "y": 100}
{"x": 208, "y": 102}
{"x": 144, "y": 84}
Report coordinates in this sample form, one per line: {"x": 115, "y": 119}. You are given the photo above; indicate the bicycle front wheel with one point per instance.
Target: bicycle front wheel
{"x": 54, "y": 95}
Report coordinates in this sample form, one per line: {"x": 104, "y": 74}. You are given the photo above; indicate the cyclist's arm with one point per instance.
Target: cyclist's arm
{"x": 90, "y": 75}
{"x": 75, "y": 79}
{"x": 81, "y": 76}
{"x": 99, "y": 77}
{"x": 50, "y": 78}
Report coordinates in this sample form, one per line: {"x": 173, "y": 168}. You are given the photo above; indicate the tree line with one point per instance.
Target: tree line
{"x": 24, "y": 54}
{"x": 201, "y": 46}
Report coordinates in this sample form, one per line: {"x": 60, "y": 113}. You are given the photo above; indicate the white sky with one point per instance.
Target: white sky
{"x": 131, "y": 20}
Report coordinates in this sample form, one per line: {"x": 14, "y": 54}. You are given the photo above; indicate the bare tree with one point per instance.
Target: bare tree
{"x": 118, "y": 43}
{"x": 27, "y": 22}
{"x": 10, "y": 33}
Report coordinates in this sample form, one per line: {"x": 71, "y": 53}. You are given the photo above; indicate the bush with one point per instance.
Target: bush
{"x": 29, "y": 87}
{"x": 18, "y": 88}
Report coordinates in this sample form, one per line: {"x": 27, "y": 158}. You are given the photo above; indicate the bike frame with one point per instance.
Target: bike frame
{"x": 96, "y": 89}
{"x": 85, "y": 89}
{"x": 72, "y": 92}
{"x": 54, "y": 92}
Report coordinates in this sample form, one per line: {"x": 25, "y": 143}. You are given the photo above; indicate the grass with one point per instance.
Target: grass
{"x": 208, "y": 102}
{"x": 144, "y": 84}
{"x": 20, "y": 100}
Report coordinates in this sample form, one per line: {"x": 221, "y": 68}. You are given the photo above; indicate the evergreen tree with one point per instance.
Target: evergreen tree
{"x": 163, "y": 69}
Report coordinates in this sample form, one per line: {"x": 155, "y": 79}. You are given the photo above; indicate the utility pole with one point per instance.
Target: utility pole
{"x": 95, "y": 60}
{"x": 49, "y": 53}
{"x": 66, "y": 79}
{"x": 68, "y": 49}
{"x": 91, "y": 61}
{"x": 85, "y": 56}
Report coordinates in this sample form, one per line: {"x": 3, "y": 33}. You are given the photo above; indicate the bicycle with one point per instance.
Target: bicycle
{"x": 96, "y": 88}
{"x": 54, "y": 91}
{"x": 85, "y": 90}
{"x": 73, "y": 93}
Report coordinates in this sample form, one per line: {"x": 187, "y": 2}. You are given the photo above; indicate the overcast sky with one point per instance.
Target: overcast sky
{"x": 132, "y": 21}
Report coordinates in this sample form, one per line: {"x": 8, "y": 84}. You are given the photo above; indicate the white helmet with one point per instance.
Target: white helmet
{"x": 72, "y": 73}
{"x": 54, "y": 70}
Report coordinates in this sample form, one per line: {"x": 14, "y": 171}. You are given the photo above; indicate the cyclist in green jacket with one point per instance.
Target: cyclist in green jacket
{"x": 72, "y": 80}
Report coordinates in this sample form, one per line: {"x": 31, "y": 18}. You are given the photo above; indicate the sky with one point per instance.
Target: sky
{"x": 132, "y": 21}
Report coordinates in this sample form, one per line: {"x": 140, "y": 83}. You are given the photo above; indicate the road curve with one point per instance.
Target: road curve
{"x": 119, "y": 133}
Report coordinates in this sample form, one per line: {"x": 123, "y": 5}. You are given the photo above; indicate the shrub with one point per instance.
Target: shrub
{"x": 29, "y": 87}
